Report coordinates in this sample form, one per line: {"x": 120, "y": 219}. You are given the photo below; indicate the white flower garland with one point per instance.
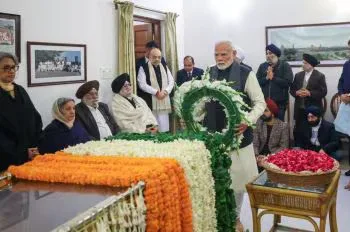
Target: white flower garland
{"x": 198, "y": 112}
{"x": 192, "y": 156}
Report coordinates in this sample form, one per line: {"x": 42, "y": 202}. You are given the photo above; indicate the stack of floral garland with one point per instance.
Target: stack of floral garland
{"x": 191, "y": 155}
{"x": 220, "y": 163}
{"x": 167, "y": 197}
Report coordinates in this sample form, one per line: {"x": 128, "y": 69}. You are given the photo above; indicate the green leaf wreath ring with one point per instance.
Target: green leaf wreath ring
{"x": 191, "y": 95}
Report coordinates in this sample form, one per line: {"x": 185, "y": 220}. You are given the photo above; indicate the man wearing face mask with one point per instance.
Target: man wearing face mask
{"x": 156, "y": 80}
{"x": 275, "y": 76}
{"x": 270, "y": 133}
{"x": 319, "y": 135}
{"x": 94, "y": 115}
{"x": 309, "y": 88}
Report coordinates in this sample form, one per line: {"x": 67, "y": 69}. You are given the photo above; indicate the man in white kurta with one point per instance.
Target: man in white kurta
{"x": 130, "y": 111}
{"x": 155, "y": 79}
{"x": 244, "y": 167}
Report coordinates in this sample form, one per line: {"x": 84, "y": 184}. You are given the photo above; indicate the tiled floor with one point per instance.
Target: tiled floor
{"x": 343, "y": 213}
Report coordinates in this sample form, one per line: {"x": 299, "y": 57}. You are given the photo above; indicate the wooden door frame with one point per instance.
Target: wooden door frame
{"x": 152, "y": 21}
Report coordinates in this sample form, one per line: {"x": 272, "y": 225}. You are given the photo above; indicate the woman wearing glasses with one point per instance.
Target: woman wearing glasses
{"x": 20, "y": 122}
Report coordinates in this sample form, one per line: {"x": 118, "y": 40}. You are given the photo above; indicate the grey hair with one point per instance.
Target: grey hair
{"x": 62, "y": 101}
{"x": 226, "y": 42}
{"x": 4, "y": 55}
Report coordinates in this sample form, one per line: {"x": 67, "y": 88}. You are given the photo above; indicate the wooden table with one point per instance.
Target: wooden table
{"x": 298, "y": 202}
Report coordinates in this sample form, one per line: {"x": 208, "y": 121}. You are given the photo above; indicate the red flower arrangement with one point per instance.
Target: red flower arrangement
{"x": 296, "y": 161}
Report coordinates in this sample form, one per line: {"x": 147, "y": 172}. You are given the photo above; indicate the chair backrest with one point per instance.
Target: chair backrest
{"x": 335, "y": 103}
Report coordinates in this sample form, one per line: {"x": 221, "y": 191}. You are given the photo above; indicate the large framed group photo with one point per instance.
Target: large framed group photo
{"x": 55, "y": 63}
{"x": 10, "y": 34}
{"x": 326, "y": 41}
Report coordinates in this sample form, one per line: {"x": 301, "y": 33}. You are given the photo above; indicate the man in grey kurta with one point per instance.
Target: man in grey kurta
{"x": 243, "y": 168}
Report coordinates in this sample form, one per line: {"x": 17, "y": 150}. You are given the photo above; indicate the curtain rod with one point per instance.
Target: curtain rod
{"x": 143, "y": 8}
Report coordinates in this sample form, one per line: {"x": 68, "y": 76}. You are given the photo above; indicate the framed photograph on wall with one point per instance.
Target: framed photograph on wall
{"x": 10, "y": 34}
{"x": 327, "y": 42}
{"x": 55, "y": 63}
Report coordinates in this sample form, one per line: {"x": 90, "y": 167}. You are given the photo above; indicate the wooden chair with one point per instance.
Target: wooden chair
{"x": 335, "y": 103}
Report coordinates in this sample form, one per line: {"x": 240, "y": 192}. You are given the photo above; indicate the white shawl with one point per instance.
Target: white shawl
{"x": 159, "y": 106}
{"x": 130, "y": 119}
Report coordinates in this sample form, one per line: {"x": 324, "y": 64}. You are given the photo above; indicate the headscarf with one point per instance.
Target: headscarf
{"x": 57, "y": 111}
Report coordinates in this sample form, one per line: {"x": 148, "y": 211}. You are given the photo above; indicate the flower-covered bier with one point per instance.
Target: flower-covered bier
{"x": 301, "y": 161}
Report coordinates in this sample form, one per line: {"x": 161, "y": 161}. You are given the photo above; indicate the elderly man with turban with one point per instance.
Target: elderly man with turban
{"x": 130, "y": 111}
{"x": 309, "y": 88}
{"x": 270, "y": 133}
{"x": 319, "y": 135}
{"x": 240, "y": 56}
{"x": 94, "y": 115}
{"x": 275, "y": 76}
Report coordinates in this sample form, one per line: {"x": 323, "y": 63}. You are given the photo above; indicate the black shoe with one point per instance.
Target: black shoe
{"x": 347, "y": 173}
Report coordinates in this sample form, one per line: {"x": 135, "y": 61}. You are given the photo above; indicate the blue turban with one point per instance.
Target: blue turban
{"x": 314, "y": 110}
{"x": 274, "y": 49}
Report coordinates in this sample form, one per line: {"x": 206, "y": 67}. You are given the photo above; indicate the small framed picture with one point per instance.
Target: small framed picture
{"x": 10, "y": 34}
{"x": 55, "y": 63}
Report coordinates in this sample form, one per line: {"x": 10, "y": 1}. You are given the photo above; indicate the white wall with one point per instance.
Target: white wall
{"x": 92, "y": 22}
{"x": 244, "y": 22}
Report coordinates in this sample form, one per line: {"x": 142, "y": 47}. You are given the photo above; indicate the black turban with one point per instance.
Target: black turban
{"x": 311, "y": 60}
{"x": 119, "y": 82}
{"x": 274, "y": 49}
{"x": 85, "y": 88}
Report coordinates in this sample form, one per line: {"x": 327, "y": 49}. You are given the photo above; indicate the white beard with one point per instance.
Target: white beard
{"x": 223, "y": 66}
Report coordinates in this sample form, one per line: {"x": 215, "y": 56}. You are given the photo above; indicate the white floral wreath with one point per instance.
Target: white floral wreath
{"x": 190, "y": 99}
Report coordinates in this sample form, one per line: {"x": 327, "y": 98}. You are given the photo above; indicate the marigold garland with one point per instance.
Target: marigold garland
{"x": 193, "y": 157}
{"x": 166, "y": 194}
{"x": 220, "y": 164}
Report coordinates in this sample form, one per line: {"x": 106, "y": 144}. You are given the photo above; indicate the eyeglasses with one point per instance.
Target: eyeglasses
{"x": 10, "y": 68}
{"x": 127, "y": 85}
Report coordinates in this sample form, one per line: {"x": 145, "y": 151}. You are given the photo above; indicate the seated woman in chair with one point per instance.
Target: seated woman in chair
{"x": 64, "y": 130}
{"x": 270, "y": 134}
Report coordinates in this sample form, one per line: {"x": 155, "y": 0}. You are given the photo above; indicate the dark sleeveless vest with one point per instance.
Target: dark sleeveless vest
{"x": 144, "y": 95}
{"x": 216, "y": 119}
